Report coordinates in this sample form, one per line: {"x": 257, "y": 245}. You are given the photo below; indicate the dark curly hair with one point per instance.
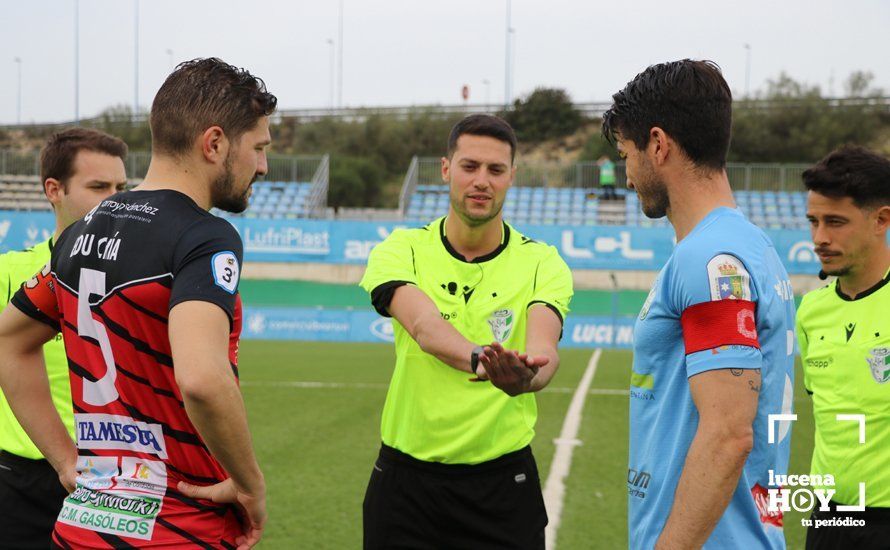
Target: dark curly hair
{"x": 687, "y": 99}
{"x": 853, "y": 172}
{"x": 202, "y": 93}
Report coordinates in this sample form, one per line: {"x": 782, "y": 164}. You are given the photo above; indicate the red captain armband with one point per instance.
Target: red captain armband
{"x": 711, "y": 325}
{"x": 40, "y": 289}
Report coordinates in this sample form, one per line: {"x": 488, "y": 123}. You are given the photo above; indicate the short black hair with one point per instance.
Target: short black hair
{"x": 854, "y": 172}
{"x": 202, "y": 93}
{"x": 688, "y": 99}
{"x": 483, "y": 125}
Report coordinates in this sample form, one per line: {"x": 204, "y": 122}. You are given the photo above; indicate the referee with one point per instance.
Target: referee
{"x": 79, "y": 168}
{"x": 844, "y": 333}
{"x": 478, "y": 310}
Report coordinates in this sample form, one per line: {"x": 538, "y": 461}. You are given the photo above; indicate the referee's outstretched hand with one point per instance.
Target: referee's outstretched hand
{"x": 253, "y": 507}
{"x": 508, "y": 370}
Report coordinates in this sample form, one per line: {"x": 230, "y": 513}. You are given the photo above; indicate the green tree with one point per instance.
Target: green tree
{"x": 547, "y": 113}
{"x": 793, "y": 122}
{"x": 355, "y": 181}
{"x": 597, "y": 147}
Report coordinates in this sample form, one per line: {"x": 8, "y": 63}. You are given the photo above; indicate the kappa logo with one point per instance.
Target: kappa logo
{"x": 879, "y": 363}
{"x": 89, "y": 217}
{"x": 501, "y": 323}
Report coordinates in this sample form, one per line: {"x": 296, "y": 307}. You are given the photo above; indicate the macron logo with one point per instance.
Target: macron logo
{"x": 106, "y": 431}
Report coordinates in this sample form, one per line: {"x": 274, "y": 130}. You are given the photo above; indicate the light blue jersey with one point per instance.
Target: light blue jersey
{"x": 724, "y": 258}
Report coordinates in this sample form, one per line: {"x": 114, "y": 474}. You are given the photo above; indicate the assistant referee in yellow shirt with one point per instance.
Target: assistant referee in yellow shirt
{"x": 844, "y": 334}
{"x": 79, "y": 168}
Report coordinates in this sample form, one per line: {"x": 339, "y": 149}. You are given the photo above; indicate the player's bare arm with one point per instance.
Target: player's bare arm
{"x": 542, "y": 339}
{"x": 199, "y": 339}
{"x": 517, "y": 373}
{"x": 26, "y": 387}
{"x": 415, "y": 311}
{"x": 726, "y": 400}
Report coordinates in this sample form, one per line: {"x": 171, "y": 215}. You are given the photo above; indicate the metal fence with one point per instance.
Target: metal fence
{"x": 281, "y": 167}
{"x": 589, "y": 109}
{"x": 317, "y": 202}
{"x": 742, "y": 176}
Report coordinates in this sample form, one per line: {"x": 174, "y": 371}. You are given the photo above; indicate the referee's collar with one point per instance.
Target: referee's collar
{"x": 868, "y": 292}
{"x": 505, "y": 240}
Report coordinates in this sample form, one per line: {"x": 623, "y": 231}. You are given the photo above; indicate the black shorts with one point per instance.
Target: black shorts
{"x": 868, "y": 530}
{"x": 427, "y": 505}
{"x": 30, "y": 500}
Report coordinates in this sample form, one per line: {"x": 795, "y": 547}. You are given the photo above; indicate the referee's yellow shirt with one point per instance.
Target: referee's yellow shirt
{"x": 432, "y": 411}
{"x": 845, "y": 350}
{"x": 16, "y": 268}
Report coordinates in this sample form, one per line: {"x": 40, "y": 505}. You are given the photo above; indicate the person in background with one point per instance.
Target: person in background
{"x": 844, "y": 333}
{"x": 607, "y": 177}
{"x": 79, "y": 168}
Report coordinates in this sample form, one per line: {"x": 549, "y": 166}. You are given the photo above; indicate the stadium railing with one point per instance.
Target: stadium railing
{"x": 552, "y": 193}
{"x": 742, "y": 175}
{"x": 317, "y": 202}
{"x": 281, "y": 167}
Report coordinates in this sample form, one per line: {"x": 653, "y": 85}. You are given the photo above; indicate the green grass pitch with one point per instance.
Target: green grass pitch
{"x": 314, "y": 413}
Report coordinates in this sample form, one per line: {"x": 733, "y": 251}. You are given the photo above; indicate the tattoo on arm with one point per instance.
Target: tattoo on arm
{"x": 755, "y": 387}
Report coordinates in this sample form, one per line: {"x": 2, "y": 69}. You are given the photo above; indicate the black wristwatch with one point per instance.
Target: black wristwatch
{"x": 474, "y": 357}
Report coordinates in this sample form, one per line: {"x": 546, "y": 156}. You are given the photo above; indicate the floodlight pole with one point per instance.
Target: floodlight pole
{"x": 507, "y": 76}
{"x": 340, "y": 60}
{"x": 77, "y": 61}
{"x": 330, "y": 42}
{"x": 747, "y": 71}
{"x": 136, "y": 60}
{"x": 487, "y": 84}
{"x": 18, "y": 61}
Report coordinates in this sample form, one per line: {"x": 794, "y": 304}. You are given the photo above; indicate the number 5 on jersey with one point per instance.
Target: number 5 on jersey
{"x": 102, "y": 391}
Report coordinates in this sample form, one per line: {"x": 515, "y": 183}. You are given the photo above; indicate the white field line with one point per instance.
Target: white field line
{"x": 554, "y": 489}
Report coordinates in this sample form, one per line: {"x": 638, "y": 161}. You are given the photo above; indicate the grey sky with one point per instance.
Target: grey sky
{"x": 399, "y": 52}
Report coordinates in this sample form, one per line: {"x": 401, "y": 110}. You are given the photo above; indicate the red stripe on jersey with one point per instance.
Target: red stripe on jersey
{"x": 235, "y": 334}
{"x": 709, "y": 325}
{"x": 140, "y": 346}
{"x": 146, "y": 295}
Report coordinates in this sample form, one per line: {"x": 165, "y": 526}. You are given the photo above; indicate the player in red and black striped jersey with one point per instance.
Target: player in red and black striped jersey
{"x": 114, "y": 277}
{"x": 144, "y": 292}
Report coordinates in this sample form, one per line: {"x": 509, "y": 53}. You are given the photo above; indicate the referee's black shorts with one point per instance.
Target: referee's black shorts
{"x": 868, "y": 530}
{"x": 30, "y": 500}
{"x": 427, "y": 505}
